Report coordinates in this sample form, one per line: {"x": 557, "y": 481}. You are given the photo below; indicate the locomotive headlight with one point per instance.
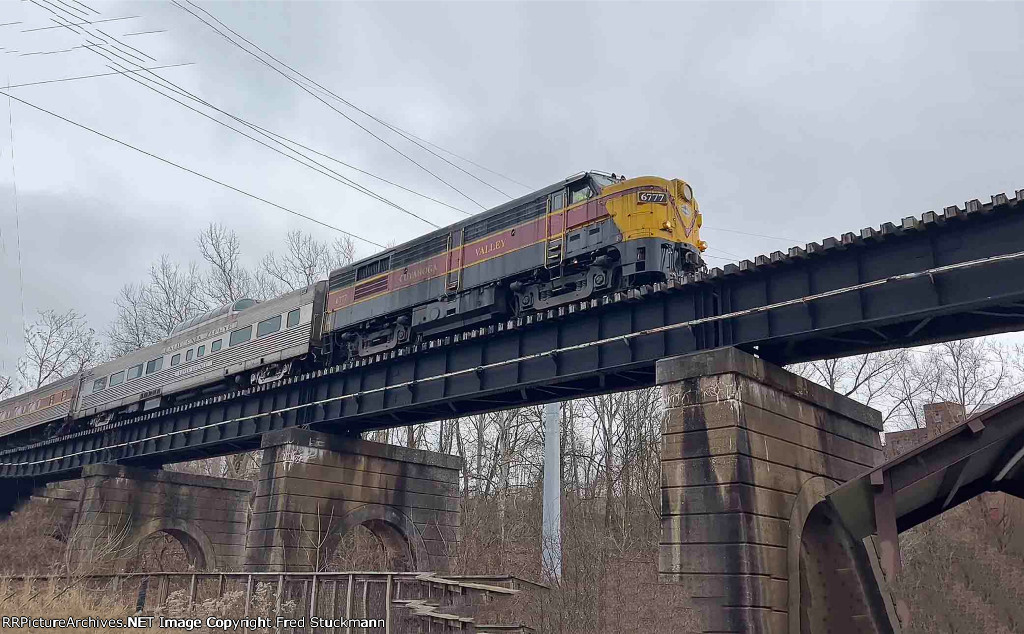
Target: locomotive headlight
{"x": 687, "y": 192}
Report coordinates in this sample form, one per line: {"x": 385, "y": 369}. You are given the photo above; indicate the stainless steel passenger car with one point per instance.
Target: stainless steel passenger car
{"x": 50, "y": 403}
{"x": 242, "y": 342}
{"x": 201, "y": 352}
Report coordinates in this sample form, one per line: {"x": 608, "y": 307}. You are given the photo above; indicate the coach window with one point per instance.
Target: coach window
{"x": 293, "y": 318}
{"x": 188, "y": 355}
{"x": 201, "y": 352}
{"x": 155, "y": 365}
{"x": 240, "y": 336}
{"x": 215, "y": 346}
{"x": 268, "y": 326}
{"x": 175, "y": 360}
{"x": 134, "y": 372}
{"x": 99, "y": 384}
{"x": 117, "y": 378}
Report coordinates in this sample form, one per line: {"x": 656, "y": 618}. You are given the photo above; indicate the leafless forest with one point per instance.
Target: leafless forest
{"x": 965, "y": 566}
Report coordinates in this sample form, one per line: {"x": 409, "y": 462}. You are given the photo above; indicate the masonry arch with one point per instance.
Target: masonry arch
{"x": 395, "y": 531}
{"x": 821, "y": 599}
{"x": 197, "y": 545}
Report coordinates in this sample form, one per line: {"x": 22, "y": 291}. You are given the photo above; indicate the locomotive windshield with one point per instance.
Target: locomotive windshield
{"x": 602, "y": 180}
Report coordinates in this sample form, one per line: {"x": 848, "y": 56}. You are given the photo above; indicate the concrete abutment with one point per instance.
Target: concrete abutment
{"x": 748, "y": 450}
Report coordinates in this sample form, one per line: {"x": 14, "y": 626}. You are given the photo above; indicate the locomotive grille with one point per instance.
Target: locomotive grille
{"x": 343, "y": 279}
{"x": 369, "y": 288}
{"x": 373, "y": 268}
{"x": 417, "y": 252}
{"x": 487, "y": 226}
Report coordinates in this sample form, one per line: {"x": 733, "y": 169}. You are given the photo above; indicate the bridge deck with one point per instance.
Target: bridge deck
{"x": 951, "y": 274}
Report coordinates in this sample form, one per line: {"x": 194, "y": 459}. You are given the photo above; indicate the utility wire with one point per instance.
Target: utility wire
{"x": 189, "y": 170}
{"x": 328, "y": 104}
{"x": 82, "y": 4}
{"x": 264, "y": 130}
{"x": 17, "y": 211}
{"x": 169, "y": 85}
{"x": 181, "y": 91}
{"x": 753, "y": 235}
{"x": 47, "y": 28}
{"x": 329, "y": 172}
{"x": 395, "y": 129}
{"x": 111, "y": 74}
{"x": 463, "y": 158}
{"x": 84, "y": 14}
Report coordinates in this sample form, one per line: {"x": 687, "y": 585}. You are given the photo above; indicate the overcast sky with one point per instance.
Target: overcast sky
{"x": 797, "y": 121}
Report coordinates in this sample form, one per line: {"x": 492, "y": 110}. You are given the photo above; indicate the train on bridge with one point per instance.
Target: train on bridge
{"x": 586, "y": 236}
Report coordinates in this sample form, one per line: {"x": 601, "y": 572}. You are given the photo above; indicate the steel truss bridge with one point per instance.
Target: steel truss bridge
{"x": 944, "y": 275}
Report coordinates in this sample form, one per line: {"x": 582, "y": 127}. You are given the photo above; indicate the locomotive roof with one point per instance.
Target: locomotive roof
{"x": 493, "y": 211}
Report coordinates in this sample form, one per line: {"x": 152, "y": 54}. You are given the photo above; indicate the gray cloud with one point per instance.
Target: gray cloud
{"x": 793, "y": 120}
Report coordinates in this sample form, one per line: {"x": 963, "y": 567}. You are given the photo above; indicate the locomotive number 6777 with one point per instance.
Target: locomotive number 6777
{"x": 590, "y": 234}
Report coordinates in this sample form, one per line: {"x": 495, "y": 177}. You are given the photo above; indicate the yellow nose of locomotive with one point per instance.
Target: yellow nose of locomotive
{"x": 649, "y": 206}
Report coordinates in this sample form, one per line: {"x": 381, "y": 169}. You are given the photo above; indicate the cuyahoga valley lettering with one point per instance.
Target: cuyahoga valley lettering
{"x": 490, "y": 247}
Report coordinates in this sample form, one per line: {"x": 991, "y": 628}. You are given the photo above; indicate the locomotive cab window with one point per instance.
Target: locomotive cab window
{"x": 175, "y": 360}
{"x": 580, "y": 192}
{"x": 215, "y": 346}
{"x": 188, "y": 355}
{"x": 557, "y": 201}
{"x": 293, "y": 318}
{"x": 134, "y": 372}
{"x": 268, "y": 326}
{"x": 117, "y": 378}
{"x": 240, "y": 336}
{"x": 201, "y": 352}
{"x": 99, "y": 384}
{"x": 155, "y": 365}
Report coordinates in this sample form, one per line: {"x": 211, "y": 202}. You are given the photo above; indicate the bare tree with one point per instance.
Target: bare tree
{"x": 6, "y": 385}
{"x": 974, "y": 373}
{"x": 147, "y": 312}
{"x": 56, "y": 345}
{"x": 227, "y": 280}
{"x": 305, "y": 260}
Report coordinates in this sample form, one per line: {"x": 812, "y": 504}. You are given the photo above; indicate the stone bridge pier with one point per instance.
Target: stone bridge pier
{"x": 121, "y": 506}
{"x": 748, "y": 450}
{"x": 314, "y": 488}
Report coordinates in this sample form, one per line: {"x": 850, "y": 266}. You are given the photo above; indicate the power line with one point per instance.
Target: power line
{"x": 111, "y": 74}
{"x": 47, "y": 28}
{"x": 410, "y": 137}
{"x": 189, "y": 170}
{"x": 181, "y": 91}
{"x": 143, "y": 33}
{"x": 86, "y": 6}
{"x": 17, "y": 211}
{"x": 169, "y": 85}
{"x": 463, "y": 158}
{"x": 326, "y": 103}
{"x": 753, "y": 235}
{"x": 337, "y": 177}
{"x": 264, "y": 130}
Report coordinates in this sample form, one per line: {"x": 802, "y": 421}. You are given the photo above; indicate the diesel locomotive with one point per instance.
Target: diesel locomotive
{"x": 588, "y": 235}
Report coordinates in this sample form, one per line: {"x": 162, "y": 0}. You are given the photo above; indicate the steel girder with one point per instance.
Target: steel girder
{"x": 773, "y": 306}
